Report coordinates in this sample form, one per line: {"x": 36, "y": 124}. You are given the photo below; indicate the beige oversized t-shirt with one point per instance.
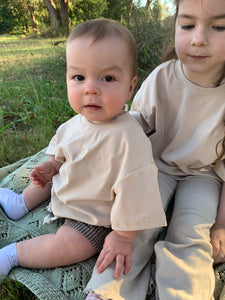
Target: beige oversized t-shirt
{"x": 108, "y": 176}
{"x": 185, "y": 122}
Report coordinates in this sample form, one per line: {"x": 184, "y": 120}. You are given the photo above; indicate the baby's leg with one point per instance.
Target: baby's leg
{"x": 67, "y": 246}
{"x": 16, "y": 206}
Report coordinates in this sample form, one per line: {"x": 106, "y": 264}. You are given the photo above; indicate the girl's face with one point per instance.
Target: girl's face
{"x": 200, "y": 39}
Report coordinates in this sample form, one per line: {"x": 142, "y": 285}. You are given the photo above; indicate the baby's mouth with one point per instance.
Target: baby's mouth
{"x": 92, "y": 106}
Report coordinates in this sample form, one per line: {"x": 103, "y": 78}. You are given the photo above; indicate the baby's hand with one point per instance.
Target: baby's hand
{"x": 118, "y": 246}
{"x": 42, "y": 173}
{"x": 217, "y": 234}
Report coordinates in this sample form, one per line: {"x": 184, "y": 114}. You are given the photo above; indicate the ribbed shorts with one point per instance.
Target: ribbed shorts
{"x": 95, "y": 234}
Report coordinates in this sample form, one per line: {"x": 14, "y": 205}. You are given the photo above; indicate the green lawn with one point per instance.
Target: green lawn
{"x": 33, "y": 98}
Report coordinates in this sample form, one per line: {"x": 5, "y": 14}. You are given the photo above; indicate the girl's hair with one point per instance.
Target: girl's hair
{"x": 102, "y": 28}
{"x": 222, "y": 153}
{"x": 171, "y": 52}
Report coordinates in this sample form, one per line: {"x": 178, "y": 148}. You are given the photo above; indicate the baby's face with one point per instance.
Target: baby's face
{"x": 99, "y": 80}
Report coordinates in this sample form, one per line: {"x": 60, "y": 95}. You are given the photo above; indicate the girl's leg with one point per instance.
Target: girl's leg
{"x": 135, "y": 284}
{"x": 184, "y": 265}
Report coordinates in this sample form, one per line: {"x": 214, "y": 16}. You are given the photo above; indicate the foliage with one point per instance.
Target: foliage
{"x": 49, "y": 17}
{"x": 22, "y": 16}
{"x": 117, "y": 10}
{"x": 152, "y": 34}
{"x": 84, "y": 10}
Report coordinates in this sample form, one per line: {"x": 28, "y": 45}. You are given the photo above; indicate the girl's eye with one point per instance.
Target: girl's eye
{"x": 78, "y": 78}
{"x": 219, "y": 28}
{"x": 108, "y": 78}
{"x": 187, "y": 27}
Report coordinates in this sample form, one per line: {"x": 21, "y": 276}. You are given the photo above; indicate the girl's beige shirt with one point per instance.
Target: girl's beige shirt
{"x": 190, "y": 119}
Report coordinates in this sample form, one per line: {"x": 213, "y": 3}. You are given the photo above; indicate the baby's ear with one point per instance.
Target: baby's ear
{"x": 133, "y": 82}
{"x": 132, "y": 86}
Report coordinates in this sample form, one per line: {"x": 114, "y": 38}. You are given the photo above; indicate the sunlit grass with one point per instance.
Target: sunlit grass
{"x": 33, "y": 97}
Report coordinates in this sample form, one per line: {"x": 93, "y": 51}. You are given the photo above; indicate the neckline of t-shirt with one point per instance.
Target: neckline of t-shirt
{"x": 207, "y": 92}
{"x": 107, "y": 124}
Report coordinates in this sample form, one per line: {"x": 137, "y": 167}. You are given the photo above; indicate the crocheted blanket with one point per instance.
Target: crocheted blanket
{"x": 63, "y": 283}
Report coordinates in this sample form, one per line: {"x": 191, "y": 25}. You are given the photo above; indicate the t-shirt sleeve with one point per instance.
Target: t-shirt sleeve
{"x": 144, "y": 104}
{"x": 54, "y": 147}
{"x": 51, "y": 147}
{"x": 137, "y": 203}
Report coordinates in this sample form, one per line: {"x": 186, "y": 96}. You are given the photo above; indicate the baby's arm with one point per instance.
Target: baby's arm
{"x": 43, "y": 172}
{"x": 217, "y": 231}
{"x": 118, "y": 246}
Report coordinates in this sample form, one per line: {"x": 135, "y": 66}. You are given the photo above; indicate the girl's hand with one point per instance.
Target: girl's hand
{"x": 118, "y": 247}
{"x": 217, "y": 234}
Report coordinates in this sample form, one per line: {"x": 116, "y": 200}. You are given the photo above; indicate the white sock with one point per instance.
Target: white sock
{"x": 13, "y": 204}
{"x": 8, "y": 259}
{"x": 93, "y": 296}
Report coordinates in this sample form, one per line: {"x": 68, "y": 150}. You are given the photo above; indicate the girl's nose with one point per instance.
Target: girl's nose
{"x": 199, "y": 38}
{"x": 91, "y": 88}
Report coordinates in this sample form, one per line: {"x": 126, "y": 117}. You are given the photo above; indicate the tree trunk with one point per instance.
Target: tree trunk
{"x": 33, "y": 21}
{"x": 148, "y": 4}
{"x": 64, "y": 15}
{"x": 53, "y": 14}
{"x": 130, "y": 7}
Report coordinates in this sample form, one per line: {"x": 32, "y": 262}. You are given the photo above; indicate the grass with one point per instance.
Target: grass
{"x": 13, "y": 290}
{"x": 33, "y": 98}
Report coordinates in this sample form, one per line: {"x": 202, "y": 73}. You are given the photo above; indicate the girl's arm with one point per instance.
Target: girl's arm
{"x": 217, "y": 231}
{"x": 118, "y": 247}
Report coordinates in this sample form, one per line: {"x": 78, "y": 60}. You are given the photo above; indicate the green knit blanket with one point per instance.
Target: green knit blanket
{"x": 62, "y": 283}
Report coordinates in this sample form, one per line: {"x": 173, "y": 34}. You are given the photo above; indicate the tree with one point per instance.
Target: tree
{"x": 85, "y": 10}
{"x": 59, "y": 13}
{"x": 7, "y": 21}
{"x": 147, "y": 5}
{"x": 21, "y": 15}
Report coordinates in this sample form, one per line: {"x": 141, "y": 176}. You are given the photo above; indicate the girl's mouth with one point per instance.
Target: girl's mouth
{"x": 198, "y": 58}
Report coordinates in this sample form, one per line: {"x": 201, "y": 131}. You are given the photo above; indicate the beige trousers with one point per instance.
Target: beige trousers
{"x": 183, "y": 260}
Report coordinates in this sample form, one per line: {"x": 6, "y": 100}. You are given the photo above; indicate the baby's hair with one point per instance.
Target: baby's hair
{"x": 171, "y": 52}
{"x": 102, "y": 28}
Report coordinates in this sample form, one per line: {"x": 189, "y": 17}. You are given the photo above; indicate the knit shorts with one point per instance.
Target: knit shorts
{"x": 95, "y": 234}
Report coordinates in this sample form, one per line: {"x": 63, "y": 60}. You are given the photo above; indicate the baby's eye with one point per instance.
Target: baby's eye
{"x": 219, "y": 28}
{"x": 108, "y": 78}
{"x": 78, "y": 78}
{"x": 187, "y": 27}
